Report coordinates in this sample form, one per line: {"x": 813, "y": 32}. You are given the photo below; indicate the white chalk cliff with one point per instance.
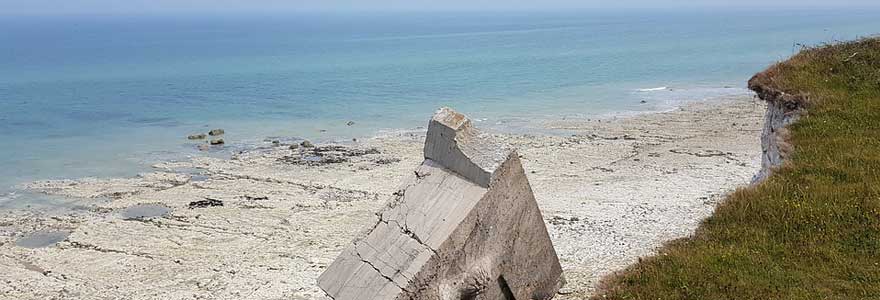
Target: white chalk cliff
{"x": 782, "y": 110}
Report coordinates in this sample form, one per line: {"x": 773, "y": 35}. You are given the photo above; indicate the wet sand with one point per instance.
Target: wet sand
{"x": 265, "y": 223}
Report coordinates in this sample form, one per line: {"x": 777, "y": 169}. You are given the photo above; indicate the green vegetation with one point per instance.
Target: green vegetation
{"x": 812, "y": 230}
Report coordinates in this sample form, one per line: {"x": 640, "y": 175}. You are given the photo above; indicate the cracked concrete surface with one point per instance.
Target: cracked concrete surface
{"x": 471, "y": 199}
{"x": 609, "y": 192}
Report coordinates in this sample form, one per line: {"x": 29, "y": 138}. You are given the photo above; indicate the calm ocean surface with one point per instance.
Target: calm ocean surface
{"x": 106, "y": 96}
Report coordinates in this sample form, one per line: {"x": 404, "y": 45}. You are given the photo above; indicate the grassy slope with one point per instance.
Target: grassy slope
{"x": 812, "y": 230}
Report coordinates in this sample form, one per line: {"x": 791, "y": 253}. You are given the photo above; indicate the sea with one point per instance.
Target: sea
{"x": 109, "y": 95}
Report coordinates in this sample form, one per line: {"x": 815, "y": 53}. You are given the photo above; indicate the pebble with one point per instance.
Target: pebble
{"x": 566, "y": 291}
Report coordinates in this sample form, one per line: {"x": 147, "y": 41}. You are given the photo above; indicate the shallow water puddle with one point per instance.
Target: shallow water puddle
{"x": 42, "y": 239}
{"x": 312, "y": 158}
{"x": 145, "y": 211}
{"x": 199, "y": 178}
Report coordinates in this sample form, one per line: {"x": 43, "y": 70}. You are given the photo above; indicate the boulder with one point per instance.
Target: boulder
{"x": 465, "y": 225}
{"x": 199, "y": 136}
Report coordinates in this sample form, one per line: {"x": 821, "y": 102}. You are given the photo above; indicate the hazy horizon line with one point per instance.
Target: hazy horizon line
{"x": 445, "y": 10}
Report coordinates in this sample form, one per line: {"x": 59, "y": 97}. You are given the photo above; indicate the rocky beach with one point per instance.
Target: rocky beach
{"x": 264, "y": 223}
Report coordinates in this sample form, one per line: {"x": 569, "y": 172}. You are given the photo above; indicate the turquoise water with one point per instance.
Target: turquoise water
{"x": 108, "y": 95}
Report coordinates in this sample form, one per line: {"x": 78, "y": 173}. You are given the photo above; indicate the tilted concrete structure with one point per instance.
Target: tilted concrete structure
{"x": 465, "y": 226}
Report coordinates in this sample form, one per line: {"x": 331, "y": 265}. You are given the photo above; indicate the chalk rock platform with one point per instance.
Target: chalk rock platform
{"x": 465, "y": 225}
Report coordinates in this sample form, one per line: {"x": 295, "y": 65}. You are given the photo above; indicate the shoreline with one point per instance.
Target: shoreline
{"x": 610, "y": 192}
{"x": 15, "y": 197}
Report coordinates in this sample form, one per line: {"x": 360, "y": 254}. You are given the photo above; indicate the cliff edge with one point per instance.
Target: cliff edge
{"x": 809, "y": 228}
{"x": 782, "y": 109}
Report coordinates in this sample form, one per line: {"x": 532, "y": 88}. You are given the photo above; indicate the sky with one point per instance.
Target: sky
{"x": 153, "y": 6}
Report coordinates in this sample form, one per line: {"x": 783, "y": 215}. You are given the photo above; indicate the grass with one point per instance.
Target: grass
{"x": 811, "y": 230}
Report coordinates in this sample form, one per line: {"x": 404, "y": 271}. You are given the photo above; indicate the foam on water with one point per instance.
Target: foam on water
{"x": 8, "y": 197}
{"x": 662, "y": 88}
{"x": 671, "y": 98}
